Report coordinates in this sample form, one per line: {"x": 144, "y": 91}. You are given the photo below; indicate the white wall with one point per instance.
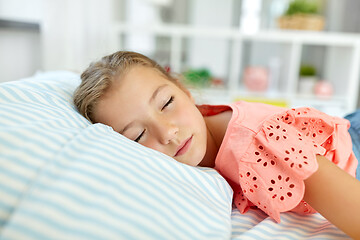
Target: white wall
{"x": 141, "y": 13}
{"x": 211, "y": 54}
{"x": 75, "y": 32}
{"x": 21, "y": 10}
{"x": 72, "y": 34}
{"x": 20, "y": 54}
{"x": 20, "y": 48}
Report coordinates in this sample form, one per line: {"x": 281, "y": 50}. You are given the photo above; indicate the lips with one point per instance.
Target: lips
{"x": 183, "y": 147}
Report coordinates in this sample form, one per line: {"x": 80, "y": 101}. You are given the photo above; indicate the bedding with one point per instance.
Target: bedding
{"x": 62, "y": 177}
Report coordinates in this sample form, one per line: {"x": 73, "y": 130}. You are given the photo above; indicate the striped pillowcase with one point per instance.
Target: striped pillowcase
{"x": 61, "y": 177}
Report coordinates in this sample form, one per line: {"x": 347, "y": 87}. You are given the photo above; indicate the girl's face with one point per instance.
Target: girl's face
{"x": 146, "y": 107}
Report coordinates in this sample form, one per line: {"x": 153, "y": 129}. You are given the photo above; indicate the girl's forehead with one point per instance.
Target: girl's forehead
{"x": 142, "y": 73}
{"x": 142, "y": 77}
{"x": 138, "y": 80}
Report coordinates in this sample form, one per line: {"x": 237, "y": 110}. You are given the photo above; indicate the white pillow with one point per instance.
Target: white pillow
{"x": 61, "y": 177}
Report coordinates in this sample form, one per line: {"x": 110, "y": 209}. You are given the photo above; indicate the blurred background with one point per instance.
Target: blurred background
{"x": 284, "y": 52}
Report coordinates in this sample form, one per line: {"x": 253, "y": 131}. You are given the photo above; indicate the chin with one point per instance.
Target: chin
{"x": 196, "y": 161}
{"x": 191, "y": 160}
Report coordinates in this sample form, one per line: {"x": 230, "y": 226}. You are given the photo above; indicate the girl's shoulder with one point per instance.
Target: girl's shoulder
{"x": 211, "y": 110}
{"x": 252, "y": 114}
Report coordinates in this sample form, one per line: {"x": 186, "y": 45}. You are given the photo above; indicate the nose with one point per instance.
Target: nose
{"x": 167, "y": 132}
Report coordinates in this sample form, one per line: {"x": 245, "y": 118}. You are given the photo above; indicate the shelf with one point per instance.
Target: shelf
{"x": 304, "y": 37}
{"x": 175, "y": 30}
{"x": 244, "y": 93}
{"x": 276, "y": 98}
{"x": 212, "y": 48}
{"x": 9, "y": 24}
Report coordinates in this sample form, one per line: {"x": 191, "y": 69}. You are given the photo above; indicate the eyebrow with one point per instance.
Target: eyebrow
{"x": 156, "y": 92}
{"x": 126, "y": 127}
{"x": 153, "y": 96}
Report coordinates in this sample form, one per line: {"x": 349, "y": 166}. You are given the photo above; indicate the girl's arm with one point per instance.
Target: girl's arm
{"x": 336, "y": 195}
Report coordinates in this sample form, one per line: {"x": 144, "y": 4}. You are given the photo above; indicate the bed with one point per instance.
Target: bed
{"x": 64, "y": 178}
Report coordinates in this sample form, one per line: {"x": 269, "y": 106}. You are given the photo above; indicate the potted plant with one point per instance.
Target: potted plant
{"x": 307, "y": 79}
{"x": 198, "y": 77}
{"x": 302, "y": 15}
{"x": 307, "y": 70}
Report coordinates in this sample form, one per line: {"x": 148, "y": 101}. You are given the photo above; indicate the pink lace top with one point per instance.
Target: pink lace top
{"x": 268, "y": 151}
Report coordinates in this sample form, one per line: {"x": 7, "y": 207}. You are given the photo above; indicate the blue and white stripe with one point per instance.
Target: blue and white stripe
{"x": 255, "y": 224}
{"x": 63, "y": 178}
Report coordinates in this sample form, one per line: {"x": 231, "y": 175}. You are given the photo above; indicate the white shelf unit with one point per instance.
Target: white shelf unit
{"x": 340, "y": 63}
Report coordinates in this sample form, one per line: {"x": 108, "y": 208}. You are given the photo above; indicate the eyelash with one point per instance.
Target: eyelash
{"x": 168, "y": 103}
{"x": 171, "y": 99}
{"x": 140, "y": 136}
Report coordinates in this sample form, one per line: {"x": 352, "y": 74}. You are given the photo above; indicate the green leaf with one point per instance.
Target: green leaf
{"x": 302, "y": 6}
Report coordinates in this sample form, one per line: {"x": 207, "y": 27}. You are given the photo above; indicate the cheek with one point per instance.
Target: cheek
{"x": 190, "y": 116}
{"x": 151, "y": 144}
{"x": 155, "y": 145}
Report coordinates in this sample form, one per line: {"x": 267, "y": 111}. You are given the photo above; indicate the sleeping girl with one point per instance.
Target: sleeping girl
{"x": 274, "y": 158}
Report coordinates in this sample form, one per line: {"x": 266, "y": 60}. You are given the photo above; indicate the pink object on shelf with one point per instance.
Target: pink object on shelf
{"x": 323, "y": 89}
{"x": 256, "y": 78}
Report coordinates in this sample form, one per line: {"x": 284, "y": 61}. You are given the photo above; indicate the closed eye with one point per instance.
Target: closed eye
{"x": 140, "y": 136}
{"x": 171, "y": 99}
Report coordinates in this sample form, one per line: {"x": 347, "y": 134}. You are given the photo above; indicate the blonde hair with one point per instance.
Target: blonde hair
{"x": 99, "y": 76}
